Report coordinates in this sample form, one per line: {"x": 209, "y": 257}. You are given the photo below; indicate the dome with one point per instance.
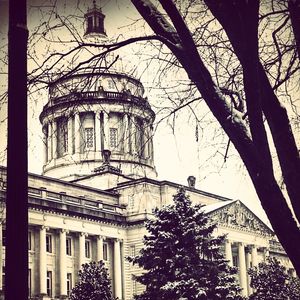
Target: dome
{"x": 92, "y": 110}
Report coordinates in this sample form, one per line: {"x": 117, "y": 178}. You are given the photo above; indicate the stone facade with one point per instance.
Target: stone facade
{"x": 72, "y": 223}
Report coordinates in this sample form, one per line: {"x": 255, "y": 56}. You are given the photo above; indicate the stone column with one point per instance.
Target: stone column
{"x": 70, "y": 135}
{"x": 81, "y": 258}
{"x": 43, "y": 261}
{"x": 106, "y": 130}
{"x": 242, "y": 269}
{"x": 129, "y": 132}
{"x": 49, "y": 142}
{"x": 147, "y": 141}
{"x": 97, "y": 132}
{"x": 151, "y": 152}
{"x": 1, "y": 257}
{"x": 125, "y": 134}
{"x": 99, "y": 254}
{"x": 133, "y": 135}
{"x": 54, "y": 139}
{"x": 62, "y": 263}
{"x": 45, "y": 144}
{"x": 254, "y": 256}
{"x": 248, "y": 266}
{"x": 228, "y": 252}
{"x": 117, "y": 269}
{"x": 77, "y": 132}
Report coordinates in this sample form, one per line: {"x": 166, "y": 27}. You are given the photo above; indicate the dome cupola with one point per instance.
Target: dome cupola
{"x": 94, "y": 22}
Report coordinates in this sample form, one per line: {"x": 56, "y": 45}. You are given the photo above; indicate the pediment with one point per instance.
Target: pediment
{"x": 238, "y": 216}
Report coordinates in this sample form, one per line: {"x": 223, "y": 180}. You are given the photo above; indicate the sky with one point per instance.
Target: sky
{"x": 177, "y": 151}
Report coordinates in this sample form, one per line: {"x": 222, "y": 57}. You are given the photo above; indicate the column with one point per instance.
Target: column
{"x": 242, "y": 269}
{"x": 77, "y": 132}
{"x": 125, "y": 134}
{"x": 81, "y": 259}
{"x": 54, "y": 139}
{"x": 1, "y": 257}
{"x": 228, "y": 252}
{"x": 129, "y": 132}
{"x": 254, "y": 256}
{"x": 99, "y": 255}
{"x": 62, "y": 263}
{"x": 106, "y": 129}
{"x": 133, "y": 135}
{"x": 43, "y": 261}
{"x": 248, "y": 266}
{"x": 70, "y": 135}
{"x": 45, "y": 143}
{"x": 144, "y": 140}
{"x": 147, "y": 141}
{"x": 97, "y": 132}
{"x": 49, "y": 142}
{"x": 151, "y": 152}
{"x": 117, "y": 269}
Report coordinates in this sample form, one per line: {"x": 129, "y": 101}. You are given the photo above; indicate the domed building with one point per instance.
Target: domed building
{"x": 99, "y": 185}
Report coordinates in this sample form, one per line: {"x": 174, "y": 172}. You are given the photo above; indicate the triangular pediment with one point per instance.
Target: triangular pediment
{"x": 236, "y": 215}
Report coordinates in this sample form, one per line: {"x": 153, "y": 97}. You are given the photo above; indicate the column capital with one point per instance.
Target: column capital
{"x": 64, "y": 230}
{"x": 43, "y": 227}
{"x": 118, "y": 240}
{"x": 101, "y": 237}
{"x": 83, "y": 234}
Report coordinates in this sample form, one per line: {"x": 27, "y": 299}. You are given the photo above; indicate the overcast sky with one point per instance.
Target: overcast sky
{"x": 177, "y": 154}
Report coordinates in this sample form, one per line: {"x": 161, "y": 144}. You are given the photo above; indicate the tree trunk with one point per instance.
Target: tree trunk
{"x": 16, "y": 260}
{"x": 257, "y": 162}
{"x": 294, "y": 10}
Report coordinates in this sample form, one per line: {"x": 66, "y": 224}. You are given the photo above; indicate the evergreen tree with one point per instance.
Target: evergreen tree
{"x": 93, "y": 283}
{"x": 271, "y": 281}
{"x": 181, "y": 258}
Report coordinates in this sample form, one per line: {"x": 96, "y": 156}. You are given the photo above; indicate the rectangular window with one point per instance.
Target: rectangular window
{"x": 69, "y": 283}
{"x": 235, "y": 261}
{"x": 88, "y": 249}
{"x": 89, "y": 137}
{"x": 49, "y": 283}
{"x": 113, "y": 137}
{"x": 29, "y": 241}
{"x": 29, "y": 282}
{"x": 139, "y": 137}
{"x": 132, "y": 250}
{"x": 105, "y": 251}
{"x": 62, "y": 136}
{"x": 49, "y": 243}
{"x": 69, "y": 246}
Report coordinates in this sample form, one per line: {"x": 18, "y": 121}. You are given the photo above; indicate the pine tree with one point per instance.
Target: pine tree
{"x": 271, "y": 281}
{"x": 181, "y": 258}
{"x": 93, "y": 283}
